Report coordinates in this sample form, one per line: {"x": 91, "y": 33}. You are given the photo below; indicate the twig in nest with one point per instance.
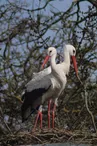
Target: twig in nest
{"x": 37, "y": 138}
{"x": 82, "y": 140}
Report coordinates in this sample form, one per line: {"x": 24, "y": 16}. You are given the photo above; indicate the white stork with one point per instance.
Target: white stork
{"x": 48, "y": 85}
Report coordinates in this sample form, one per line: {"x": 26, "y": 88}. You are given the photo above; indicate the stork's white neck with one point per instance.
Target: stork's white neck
{"x": 66, "y": 62}
{"x": 58, "y": 72}
{"x": 66, "y": 56}
{"x": 53, "y": 63}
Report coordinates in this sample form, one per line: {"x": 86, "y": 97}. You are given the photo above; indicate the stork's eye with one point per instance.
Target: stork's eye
{"x": 73, "y": 51}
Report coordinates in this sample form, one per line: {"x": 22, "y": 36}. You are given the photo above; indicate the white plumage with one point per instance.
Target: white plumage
{"x": 49, "y": 83}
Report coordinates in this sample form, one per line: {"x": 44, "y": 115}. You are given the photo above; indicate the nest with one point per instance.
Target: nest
{"x": 48, "y": 136}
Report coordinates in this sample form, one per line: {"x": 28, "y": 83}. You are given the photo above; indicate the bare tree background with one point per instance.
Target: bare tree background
{"x": 27, "y": 28}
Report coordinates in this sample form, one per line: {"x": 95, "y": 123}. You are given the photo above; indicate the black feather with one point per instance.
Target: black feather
{"x": 28, "y": 106}
{"x": 32, "y": 97}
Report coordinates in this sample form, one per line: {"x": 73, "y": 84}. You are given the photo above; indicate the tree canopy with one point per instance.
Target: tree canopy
{"x": 27, "y": 29}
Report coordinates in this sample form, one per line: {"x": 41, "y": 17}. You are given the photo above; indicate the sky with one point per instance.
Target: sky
{"x": 59, "y": 4}
{"x": 65, "y": 4}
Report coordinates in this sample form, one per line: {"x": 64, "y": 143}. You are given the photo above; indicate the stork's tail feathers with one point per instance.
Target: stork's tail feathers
{"x": 26, "y": 112}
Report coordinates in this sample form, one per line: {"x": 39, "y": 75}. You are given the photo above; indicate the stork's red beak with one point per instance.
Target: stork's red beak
{"x": 45, "y": 61}
{"x": 75, "y": 64}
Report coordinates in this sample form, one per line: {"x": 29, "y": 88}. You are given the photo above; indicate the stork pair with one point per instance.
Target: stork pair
{"x": 48, "y": 84}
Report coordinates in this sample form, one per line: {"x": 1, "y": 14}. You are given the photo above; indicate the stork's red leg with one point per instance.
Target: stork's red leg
{"x": 41, "y": 119}
{"x": 39, "y": 115}
{"x": 49, "y": 105}
{"x": 53, "y": 116}
{"x": 53, "y": 113}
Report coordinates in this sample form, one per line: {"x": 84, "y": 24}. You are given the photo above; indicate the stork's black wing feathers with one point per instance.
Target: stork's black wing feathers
{"x": 33, "y": 94}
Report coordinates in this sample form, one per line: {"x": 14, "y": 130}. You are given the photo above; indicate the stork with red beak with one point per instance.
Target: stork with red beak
{"x": 48, "y": 86}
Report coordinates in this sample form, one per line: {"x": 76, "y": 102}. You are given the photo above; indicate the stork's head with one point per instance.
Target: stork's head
{"x": 51, "y": 52}
{"x": 72, "y": 53}
{"x": 71, "y": 50}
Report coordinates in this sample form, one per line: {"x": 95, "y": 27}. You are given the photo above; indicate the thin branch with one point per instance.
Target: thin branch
{"x": 86, "y": 102}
